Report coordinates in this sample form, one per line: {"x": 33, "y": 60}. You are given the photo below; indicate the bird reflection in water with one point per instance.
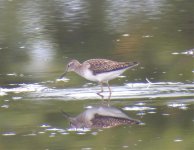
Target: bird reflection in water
{"x": 101, "y": 117}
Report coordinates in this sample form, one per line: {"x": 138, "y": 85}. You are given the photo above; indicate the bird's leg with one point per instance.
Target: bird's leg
{"x": 101, "y": 86}
{"x": 110, "y": 92}
{"x": 99, "y": 93}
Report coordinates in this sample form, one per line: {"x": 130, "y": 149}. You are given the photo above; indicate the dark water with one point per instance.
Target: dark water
{"x": 37, "y": 38}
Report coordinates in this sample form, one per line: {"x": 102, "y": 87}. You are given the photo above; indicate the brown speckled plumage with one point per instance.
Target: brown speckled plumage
{"x": 101, "y": 117}
{"x": 100, "y": 121}
{"x": 103, "y": 65}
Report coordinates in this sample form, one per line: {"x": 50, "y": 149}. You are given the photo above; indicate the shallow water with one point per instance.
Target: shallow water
{"x": 37, "y": 39}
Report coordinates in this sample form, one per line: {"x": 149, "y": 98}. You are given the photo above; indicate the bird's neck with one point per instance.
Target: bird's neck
{"x": 78, "y": 69}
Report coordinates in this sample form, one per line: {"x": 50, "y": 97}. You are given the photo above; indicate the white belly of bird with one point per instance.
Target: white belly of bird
{"x": 102, "y": 77}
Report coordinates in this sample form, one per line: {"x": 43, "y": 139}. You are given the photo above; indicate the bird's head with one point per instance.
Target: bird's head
{"x": 71, "y": 66}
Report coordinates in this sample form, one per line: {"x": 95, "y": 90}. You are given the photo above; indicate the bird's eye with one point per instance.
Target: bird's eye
{"x": 70, "y": 64}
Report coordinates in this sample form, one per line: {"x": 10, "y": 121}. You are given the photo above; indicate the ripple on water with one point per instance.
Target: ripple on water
{"x": 45, "y": 126}
{"x": 5, "y": 106}
{"x": 178, "y": 105}
{"x": 2, "y": 93}
{"x": 53, "y": 131}
{"x": 178, "y": 140}
{"x": 86, "y": 148}
{"x": 11, "y": 74}
{"x": 9, "y": 134}
{"x": 30, "y": 134}
{"x": 64, "y": 79}
{"x": 186, "y": 52}
{"x": 16, "y": 98}
{"x": 138, "y": 108}
{"x": 79, "y": 130}
{"x": 22, "y": 88}
{"x": 135, "y": 90}
{"x": 64, "y": 132}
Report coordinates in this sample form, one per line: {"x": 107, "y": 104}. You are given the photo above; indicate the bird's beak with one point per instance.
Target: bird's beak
{"x": 63, "y": 75}
{"x": 66, "y": 70}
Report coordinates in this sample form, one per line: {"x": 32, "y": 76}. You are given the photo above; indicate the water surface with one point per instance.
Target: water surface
{"x": 37, "y": 39}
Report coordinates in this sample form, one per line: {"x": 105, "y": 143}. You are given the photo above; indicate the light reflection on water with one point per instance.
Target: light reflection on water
{"x": 37, "y": 38}
{"x": 121, "y": 12}
{"x": 130, "y": 91}
{"x": 167, "y": 124}
{"x": 162, "y": 113}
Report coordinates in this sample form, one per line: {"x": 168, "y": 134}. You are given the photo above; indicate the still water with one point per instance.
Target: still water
{"x": 37, "y": 39}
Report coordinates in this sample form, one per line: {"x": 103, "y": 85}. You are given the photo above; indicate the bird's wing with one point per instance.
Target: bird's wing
{"x": 103, "y": 65}
{"x": 100, "y": 121}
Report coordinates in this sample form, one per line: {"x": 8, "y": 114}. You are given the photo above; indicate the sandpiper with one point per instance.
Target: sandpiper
{"x": 99, "y": 70}
{"x": 100, "y": 117}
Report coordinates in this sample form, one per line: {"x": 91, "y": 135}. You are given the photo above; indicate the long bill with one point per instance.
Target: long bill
{"x": 63, "y": 75}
